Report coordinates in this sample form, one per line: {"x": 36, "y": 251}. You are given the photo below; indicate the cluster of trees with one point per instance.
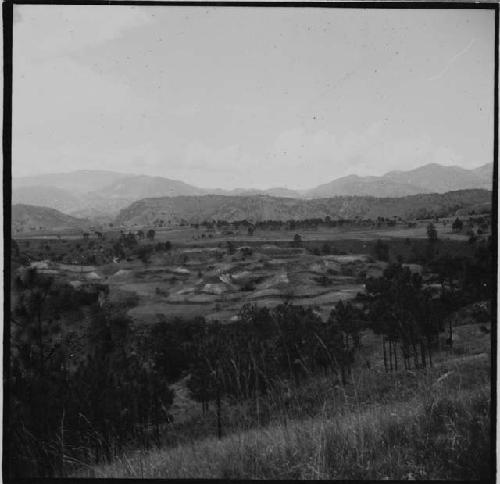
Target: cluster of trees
{"x": 95, "y": 251}
{"x": 327, "y": 249}
{"x": 292, "y": 224}
{"x": 67, "y": 405}
{"x": 315, "y": 223}
{"x": 254, "y": 358}
{"x": 410, "y": 316}
{"x": 406, "y": 315}
{"x": 128, "y": 245}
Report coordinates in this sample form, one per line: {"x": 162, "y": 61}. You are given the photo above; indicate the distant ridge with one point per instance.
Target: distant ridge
{"x": 430, "y": 178}
{"x": 195, "y": 209}
{"x": 91, "y": 193}
{"x": 29, "y": 218}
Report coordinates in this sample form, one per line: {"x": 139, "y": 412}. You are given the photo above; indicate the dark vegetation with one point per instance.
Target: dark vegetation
{"x": 96, "y": 250}
{"x": 482, "y": 221}
{"x": 80, "y": 405}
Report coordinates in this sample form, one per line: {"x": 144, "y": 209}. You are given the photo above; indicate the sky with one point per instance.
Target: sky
{"x": 250, "y": 97}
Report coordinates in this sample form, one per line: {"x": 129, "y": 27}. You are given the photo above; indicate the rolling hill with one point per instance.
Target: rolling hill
{"x": 142, "y": 186}
{"x": 439, "y": 179}
{"x": 103, "y": 194}
{"x": 485, "y": 172}
{"x": 47, "y": 196}
{"x": 255, "y": 208}
{"x": 365, "y": 186}
{"x": 431, "y": 178}
{"x": 29, "y": 218}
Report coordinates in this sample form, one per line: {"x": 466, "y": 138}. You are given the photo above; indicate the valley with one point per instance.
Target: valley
{"x": 247, "y": 302}
{"x": 212, "y": 272}
{"x": 250, "y": 243}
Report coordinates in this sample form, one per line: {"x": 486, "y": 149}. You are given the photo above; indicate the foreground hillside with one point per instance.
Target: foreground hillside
{"x": 199, "y": 208}
{"x": 432, "y": 424}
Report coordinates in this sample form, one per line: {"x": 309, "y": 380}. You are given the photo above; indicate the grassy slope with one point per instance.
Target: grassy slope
{"x": 424, "y": 425}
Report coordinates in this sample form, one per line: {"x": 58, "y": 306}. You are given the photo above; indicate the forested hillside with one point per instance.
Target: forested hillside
{"x": 219, "y": 207}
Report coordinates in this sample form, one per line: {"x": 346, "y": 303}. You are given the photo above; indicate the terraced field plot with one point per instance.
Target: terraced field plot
{"x": 217, "y": 286}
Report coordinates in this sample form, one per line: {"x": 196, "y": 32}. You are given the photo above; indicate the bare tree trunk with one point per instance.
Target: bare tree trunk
{"x": 219, "y": 423}
{"x": 256, "y": 376}
{"x": 385, "y": 354}
{"x": 61, "y": 470}
{"x": 415, "y": 354}
{"x": 395, "y": 356}
{"x": 390, "y": 355}
{"x": 422, "y": 352}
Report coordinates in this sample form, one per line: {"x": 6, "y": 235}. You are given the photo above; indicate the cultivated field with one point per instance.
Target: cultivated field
{"x": 201, "y": 277}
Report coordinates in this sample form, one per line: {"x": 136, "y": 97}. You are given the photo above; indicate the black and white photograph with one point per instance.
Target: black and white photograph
{"x": 250, "y": 241}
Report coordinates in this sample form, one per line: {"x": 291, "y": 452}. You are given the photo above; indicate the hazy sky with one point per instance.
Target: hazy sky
{"x": 250, "y": 97}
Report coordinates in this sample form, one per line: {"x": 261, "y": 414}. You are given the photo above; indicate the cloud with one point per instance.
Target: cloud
{"x": 66, "y": 108}
{"x": 42, "y": 31}
{"x": 301, "y": 159}
{"x": 322, "y": 154}
{"x": 63, "y": 90}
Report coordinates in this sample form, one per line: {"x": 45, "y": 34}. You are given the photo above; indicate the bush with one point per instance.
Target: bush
{"x": 381, "y": 250}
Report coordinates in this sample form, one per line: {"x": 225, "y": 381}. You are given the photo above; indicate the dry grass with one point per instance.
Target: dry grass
{"x": 432, "y": 425}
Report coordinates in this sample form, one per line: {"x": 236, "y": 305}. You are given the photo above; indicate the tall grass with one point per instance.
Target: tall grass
{"x": 418, "y": 427}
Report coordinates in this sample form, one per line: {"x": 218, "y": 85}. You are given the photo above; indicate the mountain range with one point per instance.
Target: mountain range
{"x": 171, "y": 211}
{"x": 102, "y": 194}
{"x": 195, "y": 209}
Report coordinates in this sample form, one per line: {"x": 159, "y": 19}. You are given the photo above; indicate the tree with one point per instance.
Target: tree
{"x": 391, "y": 305}
{"x": 472, "y": 236}
{"x": 231, "y": 248}
{"x": 144, "y": 253}
{"x": 431, "y": 233}
{"x": 344, "y": 325}
{"x": 38, "y": 373}
{"x": 457, "y": 225}
{"x": 297, "y": 241}
{"x": 151, "y": 234}
{"x": 381, "y": 250}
